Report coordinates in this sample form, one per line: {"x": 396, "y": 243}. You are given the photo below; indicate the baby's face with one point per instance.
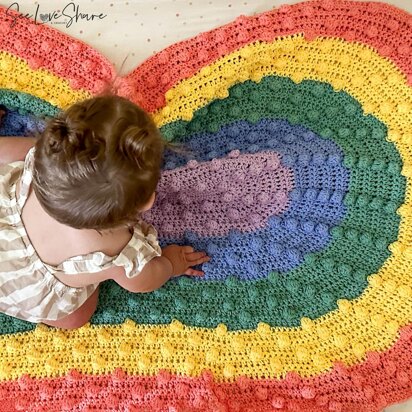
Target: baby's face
{"x": 149, "y": 204}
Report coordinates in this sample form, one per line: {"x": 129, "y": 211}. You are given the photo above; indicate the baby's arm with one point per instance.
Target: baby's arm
{"x": 155, "y": 274}
{"x": 175, "y": 260}
{"x": 14, "y": 148}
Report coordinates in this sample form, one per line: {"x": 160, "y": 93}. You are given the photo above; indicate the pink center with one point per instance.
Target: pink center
{"x": 237, "y": 192}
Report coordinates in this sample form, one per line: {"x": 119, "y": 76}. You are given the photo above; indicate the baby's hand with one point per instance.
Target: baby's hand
{"x": 183, "y": 257}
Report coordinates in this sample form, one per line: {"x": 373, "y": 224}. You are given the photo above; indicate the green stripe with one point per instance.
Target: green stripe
{"x": 27, "y": 104}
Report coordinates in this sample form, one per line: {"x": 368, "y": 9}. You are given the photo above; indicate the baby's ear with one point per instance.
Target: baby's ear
{"x": 149, "y": 203}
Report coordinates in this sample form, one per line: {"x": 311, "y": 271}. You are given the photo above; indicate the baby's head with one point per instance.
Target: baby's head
{"x": 97, "y": 165}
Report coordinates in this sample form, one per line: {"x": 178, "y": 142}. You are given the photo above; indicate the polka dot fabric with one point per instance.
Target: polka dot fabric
{"x": 296, "y": 180}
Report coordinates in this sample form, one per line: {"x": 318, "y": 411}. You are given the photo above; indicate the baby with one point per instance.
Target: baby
{"x": 70, "y": 213}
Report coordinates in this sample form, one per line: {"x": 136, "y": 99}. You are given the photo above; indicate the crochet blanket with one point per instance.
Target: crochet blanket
{"x": 298, "y": 185}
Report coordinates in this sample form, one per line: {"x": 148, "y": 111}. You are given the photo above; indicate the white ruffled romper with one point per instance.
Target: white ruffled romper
{"x": 28, "y": 288}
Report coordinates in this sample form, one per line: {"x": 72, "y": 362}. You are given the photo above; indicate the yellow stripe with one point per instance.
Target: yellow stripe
{"x": 369, "y": 323}
{"x": 18, "y": 76}
{"x": 324, "y": 59}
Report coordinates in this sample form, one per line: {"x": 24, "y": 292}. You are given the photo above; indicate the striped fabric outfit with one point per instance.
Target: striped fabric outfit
{"x": 28, "y": 288}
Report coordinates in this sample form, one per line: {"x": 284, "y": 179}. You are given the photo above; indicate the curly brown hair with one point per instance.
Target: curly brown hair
{"x": 98, "y": 163}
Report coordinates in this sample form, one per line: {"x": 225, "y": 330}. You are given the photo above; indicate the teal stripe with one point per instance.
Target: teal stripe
{"x": 27, "y": 104}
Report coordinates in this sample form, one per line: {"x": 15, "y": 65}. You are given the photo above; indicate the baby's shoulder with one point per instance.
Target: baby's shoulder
{"x": 112, "y": 243}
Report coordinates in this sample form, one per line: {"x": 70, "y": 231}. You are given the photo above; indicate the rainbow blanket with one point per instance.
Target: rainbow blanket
{"x": 298, "y": 185}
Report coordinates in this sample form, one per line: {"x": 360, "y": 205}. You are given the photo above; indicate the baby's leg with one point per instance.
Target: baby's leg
{"x": 79, "y": 317}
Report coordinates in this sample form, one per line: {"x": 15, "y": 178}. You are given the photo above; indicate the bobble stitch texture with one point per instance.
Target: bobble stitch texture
{"x": 303, "y": 217}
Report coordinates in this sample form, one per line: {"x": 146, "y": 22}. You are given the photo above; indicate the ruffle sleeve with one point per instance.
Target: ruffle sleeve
{"x": 141, "y": 249}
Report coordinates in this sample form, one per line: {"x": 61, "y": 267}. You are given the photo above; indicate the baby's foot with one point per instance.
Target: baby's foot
{"x": 2, "y": 114}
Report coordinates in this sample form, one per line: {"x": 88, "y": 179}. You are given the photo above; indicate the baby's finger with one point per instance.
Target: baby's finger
{"x": 191, "y": 257}
{"x": 188, "y": 249}
{"x": 199, "y": 261}
{"x": 193, "y": 272}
